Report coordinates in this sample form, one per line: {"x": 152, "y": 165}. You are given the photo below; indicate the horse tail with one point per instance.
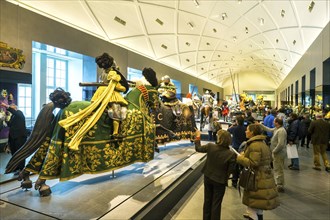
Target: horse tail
{"x": 41, "y": 131}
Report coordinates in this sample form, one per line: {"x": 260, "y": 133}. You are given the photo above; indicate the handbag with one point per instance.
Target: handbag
{"x": 291, "y": 151}
{"x": 247, "y": 179}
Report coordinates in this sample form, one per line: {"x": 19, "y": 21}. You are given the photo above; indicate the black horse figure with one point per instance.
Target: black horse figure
{"x": 174, "y": 120}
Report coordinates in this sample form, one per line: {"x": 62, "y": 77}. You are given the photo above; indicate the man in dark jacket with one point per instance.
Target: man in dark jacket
{"x": 220, "y": 162}
{"x": 17, "y": 131}
{"x": 320, "y": 133}
{"x": 305, "y": 122}
{"x": 238, "y": 132}
{"x": 293, "y": 138}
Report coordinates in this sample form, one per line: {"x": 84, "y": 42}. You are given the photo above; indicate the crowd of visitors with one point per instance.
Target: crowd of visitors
{"x": 261, "y": 146}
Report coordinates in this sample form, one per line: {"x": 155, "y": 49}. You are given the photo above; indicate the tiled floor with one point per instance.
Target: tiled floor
{"x": 307, "y": 196}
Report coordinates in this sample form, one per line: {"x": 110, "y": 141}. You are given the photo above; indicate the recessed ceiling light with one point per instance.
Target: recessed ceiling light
{"x": 159, "y": 21}
{"x": 234, "y": 38}
{"x": 120, "y": 21}
{"x": 294, "y": 42}
{"x": 196, "y": 3}
{"x": 224, "y": 16}
{"x": 202, "y": 68}
{"x": 311, "y": 6}
{"x": 191, "y": 25}
{"x": 187, "y": 60}
{"x": 276, "y": 40}
{"x": 204, "y": 57}
{"x": 208, "y": 44}
{"x": 246, "y": 30}
{"x": 164, "y": 46}
{"x": 239, "y": 1}
{"x": 218, "y": 55}
{"x": 214, "y": 30}
{"x": 188, "y": 44}
{"x": 282, "y": 13}
{"x": 261, "y": 21}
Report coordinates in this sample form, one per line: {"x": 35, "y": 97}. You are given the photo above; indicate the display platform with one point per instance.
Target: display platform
{"x": 104, "y": 196}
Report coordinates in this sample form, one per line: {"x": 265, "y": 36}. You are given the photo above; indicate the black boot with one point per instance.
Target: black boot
{"x": 260, "y": 217}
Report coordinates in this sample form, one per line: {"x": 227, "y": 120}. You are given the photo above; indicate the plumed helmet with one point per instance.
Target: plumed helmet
{"x": 105, "y": 61}
{"x": 60, "y": 98}
{"x": 150, "y": 75}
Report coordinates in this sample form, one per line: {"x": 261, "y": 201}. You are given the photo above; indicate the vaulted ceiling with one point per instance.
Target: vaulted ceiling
{"x": 207, "y": 39}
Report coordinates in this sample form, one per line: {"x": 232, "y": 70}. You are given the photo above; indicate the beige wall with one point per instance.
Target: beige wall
{"x": 19, "y": 27}
{"x": 249, "y": 81}
{"x": 318, "y": 52}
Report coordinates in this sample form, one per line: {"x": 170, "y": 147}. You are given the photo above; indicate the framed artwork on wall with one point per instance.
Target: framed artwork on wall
{"x": 11, "y": 57}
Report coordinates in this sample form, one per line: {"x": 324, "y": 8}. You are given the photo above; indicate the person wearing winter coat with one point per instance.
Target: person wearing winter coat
{"x": 220, "y": 163}
{"x": 257, "y": 155}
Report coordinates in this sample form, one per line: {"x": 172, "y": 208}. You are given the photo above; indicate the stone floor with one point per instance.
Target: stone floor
{"x": 307, "y": 196}
{"x": 101, "y": 196}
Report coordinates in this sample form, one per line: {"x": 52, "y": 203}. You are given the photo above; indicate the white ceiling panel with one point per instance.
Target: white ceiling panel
{"x": 158, "y": 19}
{"x": 260, "y": 18}
{"x": 309, "y": 35}
{"x": 193, "y": 35}
{"x": 171, "y": 60}
{"x": 187, "y": 59}
{"x": 208, "y": 43}
{"x": 136, "y": 44}
{"x": 214, "y": 29}
{"x": 190, "y": 23}
{"x": 282, "y": 13}
{"x": 188, "y": 43}
{"x": 124, "y": 10}
{"x": 204, "y": 56}
{"x": 164, "y": 45}
{"x": 165, "y": 3}
{"x": 199, "y": 7}
{"x": 318, "y": 17}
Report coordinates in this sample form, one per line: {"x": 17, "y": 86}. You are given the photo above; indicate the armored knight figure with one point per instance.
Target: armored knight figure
{"x": 207, "y": 99}
{"x": 167, "y": 88}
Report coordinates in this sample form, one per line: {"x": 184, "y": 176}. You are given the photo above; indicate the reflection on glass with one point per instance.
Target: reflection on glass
{"x": 308, "y": 100}
{"x": 318, "y": 96}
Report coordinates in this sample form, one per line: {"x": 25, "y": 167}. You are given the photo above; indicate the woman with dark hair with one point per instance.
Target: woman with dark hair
{"x": 257, "y": 156}
{"x": 220, "y": 163}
